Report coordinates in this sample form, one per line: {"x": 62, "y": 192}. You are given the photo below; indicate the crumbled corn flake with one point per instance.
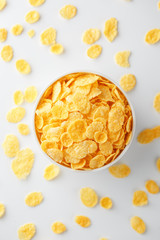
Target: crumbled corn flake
{"x": 23, "y": 66}
{"x": 31, "y": 33}
{"x": 51, "y": 172}
{"x": 3, "y": 34}
{"x": 7, "y": 53}
{"x": 17, "y": 29}
{"x": 30, "y": 94}
{"x": 48, "y": 37}
{"x": 23, "y": 129}
{"x": 57, "y": 49}
{"x": 127, "y": 82}
{"x": 140, "y": 198}
{"x": 156, "y": 103}
{"x": 122, "y": 58}
{"x": 27, "y": 231}
{"x": 158, "y": 164}
{"x": 36, "y": 3}
{"x": 152, "y": 187}
{"x": 10, "y": 145}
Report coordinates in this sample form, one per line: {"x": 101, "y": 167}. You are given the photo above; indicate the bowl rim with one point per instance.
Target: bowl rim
{"x": 119, "y": 156}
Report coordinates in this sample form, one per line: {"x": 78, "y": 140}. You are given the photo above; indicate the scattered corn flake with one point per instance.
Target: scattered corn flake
{"x": 152, "y": 186}
{"x": 23, "y": 129}
{"x": 97, "y": 161}
{"x": 66, "y": 140}
{"x": 3, "y": 34}
{"x": 88, "y": 197}
{"x": 27, "y": 231}
{"x": 156, "y": 103}
{"x": 77, "y": 129}
{"x": 122, "y": 58}
{"x": 10, "y": 145}
{"x": 83, "y": 221}
{"x": 158, "y": 164}
{"x": 18, "y": 97}
{"x": 94, "y": 51}
{"x": 51, "y": 172}
{"x": 153, "y": 36}
{"x": 17, "y": 29}
{"x": 33, "y": 199}
{"x": 127, "y": 82}
{"x": 120, "y": 171}
{"x": 158, "y": 5}
{"x": 91, "y": 35}
{"x": 138, "y": 224}
{"x": 3, "y": 4}
{"x": 31, "y": 33}
{"x": 140, "y": 198}
{"x": 7, "y": 53}
{"x": 48, "y": 37}
{"x": 36, "y": 3}
{"x": 68, "y": 11}
{"x": 16, "y": 114}
{"x": 2, "y": 210}
{"x": 106, "y": 202}
{"x": 100, "y": 137}
{"x": 110, "y": 30}
{"x": 58, "y": 227}
{"x": 30, "y": 94}
{"x": 103, "y": 239}
{"x": 23, "y": 66}
{"x": 146, "y": 136}
{"x": 57, "y": 48}
{"x": 32, "y": 17}
{"x": 106, "y": 148}
{"x": 23, "y": 162}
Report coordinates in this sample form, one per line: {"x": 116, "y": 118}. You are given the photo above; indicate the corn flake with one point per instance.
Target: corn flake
{"x": 3, "y": 34}
{"x": 106, "y": 202}
{"x": 106, "y": 148}
{"x": 97, "y": 162}
{"x": 17, "y": 30}
{"x": 23, "y": 162}
{"x": 27, "y": 231}
{"x": 30, "y": 94}
{"x": 66, "y": 140}
{"x": 156, "y": 102}
{"x": 33, "y": 199}
{"x": 23, "y": 66}
{"x": 146, "y": 136}
{"x": 3, "y": 3}
{"x": 51, "y": 172}
{"x": 57, "y": 48}
{"x": 56, "y": 91}
{"x": 122, "y": 58}
{"x": 83, "y": 221}
{"x": 100, "y": 137}
{"x": 94, "y": 51}
{"x": 58, "y": 227}
{"x": 140, "y": 198}
{"x": 31, "y": 33}
{"x": 120, "y": 171}
{"x": 23, "y": 129}
{"x": 48, "y": 37}
{"x": 115, "y": 119}
{"x": 158, "y": 164}
{"x": 153, "y": 36}
{"x": 152, "y": 187}
{"x": 138, "y": 224}
{"x": 32, "y": 17}
{"x": 128, "y": 82}
{"x": 86, "y": 80}
{"x": 68, "y": 11}
{"x": 55, "y": 154}
{"x": 10, "y": 145}
{"x": 93, "y": 128}
{"x": 91, "y": 35}
{"x": 110, "y": 30}
{"x": 77, "y": 129}
{"x": 2, "y": 210}
{"x": 16, "y": 114}
{"x": 7, "y": 53}
{"x": 88, "y": 197}
{"x": 18, "y": 97}
{"x": 36, "y": 3}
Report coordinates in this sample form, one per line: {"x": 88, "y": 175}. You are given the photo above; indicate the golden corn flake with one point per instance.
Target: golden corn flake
{"x": 7, "y": 53}
{"x": 140, "y": 198}
{"x": 93, "y": 128}
{"x": 30, "y": 94}
{"x": 86, "y": 80}
{"x": 146, "y": 136}
{"x": 97, "y": 162}
{"x": 68, "y": 11}
{"x": 3, "y": 3}
{"x": 106, "y": 202}
{"x": 2, "y": 210}
{"x": 55, "y": 154}
{"x": 77, "y": 129}
{"x": 158, "y": 4}
{"x": 27, "y": 231}
{"x": 23, "y": 66}
{"x": 152, "y": 187}
{"x": 115, "y": 119}
{"x": 33, "y": 199}
{"x": 103, "y": 239}
{"x": 51, "y": 172}
{"x": 17, "y": 30}
{"x": 138, "y": 224}
{"x": 10, "y": 145}
{"x": 23, "y": 129}
{"x": 106, "y": 148}
{"x": 36, "y": 3}
{"x": 100, "y": 137}
{"x": 57, "y": 48}
{"x": 58, "y": 227}
{"x": 23, "y": 162}
{"x": 91, "y": 35}
{"x": 153, "y": 36}
{"x": 31, "y": 33}
{"x": 59, "y": 112}
{"x": 83, "y": 221}
{"x": 16, "y": 114}
{"x": 48, "y": 37}
{"x": 158, "y": 164}
{"x": 122, "y": 58}
{"x": 66, "y": 140}
{"x": 127, "y": 82}
{"x": 56, "y": 91}
{"x": 32, "y": 17}
{"x": 156, "y": 102}
{"x": 18, "y": 97}
{"x": 88, "y": 197}
{"x": 94, "y": 51}
{"x": 120, "y": 171}
{"x": 3, "y": 34}
{"x": 110, "y": 30}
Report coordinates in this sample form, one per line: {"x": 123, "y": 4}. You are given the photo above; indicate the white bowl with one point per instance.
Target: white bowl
{"x": 105, "y": 166}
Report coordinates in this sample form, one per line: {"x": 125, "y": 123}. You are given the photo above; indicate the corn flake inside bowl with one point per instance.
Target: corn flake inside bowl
{"x": 83, "y": 121}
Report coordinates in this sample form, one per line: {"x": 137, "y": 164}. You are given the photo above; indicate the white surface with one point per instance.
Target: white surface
{"x": 61, "y": 196}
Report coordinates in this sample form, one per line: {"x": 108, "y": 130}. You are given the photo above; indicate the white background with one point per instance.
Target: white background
{"x": 61, "y": 196}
